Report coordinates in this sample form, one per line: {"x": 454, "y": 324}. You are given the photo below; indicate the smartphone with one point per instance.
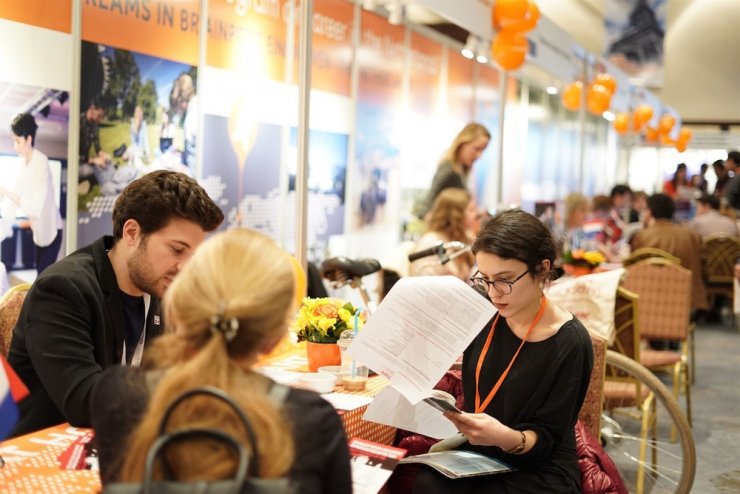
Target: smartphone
{"x": 442, "y": 401}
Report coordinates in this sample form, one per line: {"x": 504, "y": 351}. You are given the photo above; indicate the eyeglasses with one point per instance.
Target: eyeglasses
{"x": 503, "y": 287}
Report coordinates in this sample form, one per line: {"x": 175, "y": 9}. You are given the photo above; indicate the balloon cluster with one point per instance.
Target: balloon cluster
{"x": 640, "y": 118}
{"x": 513, "y": 18}
{"x": 598, "y": 96}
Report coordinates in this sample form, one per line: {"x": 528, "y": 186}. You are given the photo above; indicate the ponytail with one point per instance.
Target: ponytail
{"x": 206, "y": 459}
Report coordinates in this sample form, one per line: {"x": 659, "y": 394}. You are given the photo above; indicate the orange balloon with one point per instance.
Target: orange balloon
{"x": 651, "y": 134}
{"x": 685, "y": 135}
{"x": 571, "y": 96}
{"x": 528, "y": 22}
{"x": 621, "y": 123}
{"x": 637, "y": 124}
{"x": 607, "y": 81}
{"x": 666, "y": 124}
{"x": 644, "y": 113}
{"x": 666, "y": 140}
{"x": 508, "y": 12}
{"x": 680, "y": 146}
{"x": 510, "y": 49}
{"x": 598, "y": 99}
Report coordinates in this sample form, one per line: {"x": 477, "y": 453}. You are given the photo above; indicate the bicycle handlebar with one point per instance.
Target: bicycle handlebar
{"x": 440, "y": 249}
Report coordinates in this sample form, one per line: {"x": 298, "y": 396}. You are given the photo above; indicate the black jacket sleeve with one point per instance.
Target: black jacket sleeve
{"x": 60, "y": 345}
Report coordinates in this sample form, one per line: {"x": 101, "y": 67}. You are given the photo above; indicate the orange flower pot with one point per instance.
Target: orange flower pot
{"x": 573, "y": 270}
{"x": 321, "y": 354}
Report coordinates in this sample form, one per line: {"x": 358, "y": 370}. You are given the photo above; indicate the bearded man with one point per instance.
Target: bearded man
{"x": 100, "y": 306}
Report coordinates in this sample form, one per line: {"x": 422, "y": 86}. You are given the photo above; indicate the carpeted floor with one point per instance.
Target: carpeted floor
{"x": 716, "y": 408}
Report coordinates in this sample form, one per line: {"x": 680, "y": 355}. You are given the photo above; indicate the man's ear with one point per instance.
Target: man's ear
{"x": 132, "y": 232}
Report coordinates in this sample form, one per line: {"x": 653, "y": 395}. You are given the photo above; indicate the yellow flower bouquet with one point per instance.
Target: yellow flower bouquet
{"x": 322, "y": 320}
{"x": 578, "y": 262}
{"x": 580, "y": 257}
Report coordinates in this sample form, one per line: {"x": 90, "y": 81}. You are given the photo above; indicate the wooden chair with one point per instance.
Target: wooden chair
{"x": 664, "y": 291}
{"x": 10, "y": 306}
{"x": 720, "y": 252}
{"x": 622, "y": 393}
{"x": 648, "y": 252}
{"x": 590, "y": 413}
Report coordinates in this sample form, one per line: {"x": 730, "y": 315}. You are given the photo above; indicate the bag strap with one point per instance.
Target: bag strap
{"x": 223, "y": 396}
{"x": 165, "y": 440}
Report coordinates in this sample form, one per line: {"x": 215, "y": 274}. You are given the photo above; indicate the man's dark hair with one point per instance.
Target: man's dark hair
{"x": 734, "y": 156}
{"x": 620, "y": 189}
{"x": 24, "y": 125}
{"x": 158, "y": 197}
{"x": 661, "y": 206}
{"x": 711, "y": 200}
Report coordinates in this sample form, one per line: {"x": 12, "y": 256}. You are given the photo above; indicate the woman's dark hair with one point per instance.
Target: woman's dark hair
{"x": 680, "y": 167}
{"x": 24, "y": 125}
{"x": 515, "y": 234}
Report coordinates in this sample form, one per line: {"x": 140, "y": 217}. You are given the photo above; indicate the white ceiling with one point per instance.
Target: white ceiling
{"x": 701, "y": 49}
{"x": 702, "y": 52}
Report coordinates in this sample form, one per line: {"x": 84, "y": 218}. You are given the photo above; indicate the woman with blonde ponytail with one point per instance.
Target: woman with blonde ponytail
{"x": 231, "y": 303}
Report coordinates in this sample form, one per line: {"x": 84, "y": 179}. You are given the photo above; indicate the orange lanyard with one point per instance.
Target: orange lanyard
{"x": 479, "y": 408}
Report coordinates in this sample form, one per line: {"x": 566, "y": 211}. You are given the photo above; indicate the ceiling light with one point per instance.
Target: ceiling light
{"x": 551, "y": 90}
{"x": 484, "y": 48}
{"x": 471, "y": 47}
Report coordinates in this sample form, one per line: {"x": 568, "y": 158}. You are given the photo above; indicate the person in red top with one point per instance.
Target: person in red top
{"x": 671, "y": 187}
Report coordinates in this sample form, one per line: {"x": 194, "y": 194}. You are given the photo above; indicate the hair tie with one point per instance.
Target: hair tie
{"x": 228, "y": 326}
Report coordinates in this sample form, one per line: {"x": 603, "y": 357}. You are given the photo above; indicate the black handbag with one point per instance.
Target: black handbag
{"x": 244, "y": 480}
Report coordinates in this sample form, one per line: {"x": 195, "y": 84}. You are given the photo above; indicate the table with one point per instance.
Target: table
{"x": 293, "y": 357}
{"x": 32, "y": 465}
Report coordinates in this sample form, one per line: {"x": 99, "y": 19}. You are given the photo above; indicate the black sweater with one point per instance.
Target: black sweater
{"x": 543, "y": 392}
{"x": 321, "y": 454}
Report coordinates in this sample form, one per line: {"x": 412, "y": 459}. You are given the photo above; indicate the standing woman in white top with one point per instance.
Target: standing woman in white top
{"x": 34, "y": 192}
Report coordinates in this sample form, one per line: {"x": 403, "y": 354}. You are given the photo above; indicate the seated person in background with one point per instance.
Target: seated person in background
{"x": 661, "y": 232}
{"x": 639, "y": 205}
{"x": 525, "y": 415}
{"x": 708, "y": 219}
{"x": 99, "y": 306}
{"x": 576, "y": 211}
{"x": 453, "y": 217}
{"x": 230, "y": 304}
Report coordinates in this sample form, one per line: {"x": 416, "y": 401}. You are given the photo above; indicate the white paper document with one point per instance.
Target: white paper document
{"x": 419, "y": 330}
{"x": 391, "y": 408}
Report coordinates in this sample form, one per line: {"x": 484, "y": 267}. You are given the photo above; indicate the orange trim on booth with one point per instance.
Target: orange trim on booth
{"x": 49, "y": 14}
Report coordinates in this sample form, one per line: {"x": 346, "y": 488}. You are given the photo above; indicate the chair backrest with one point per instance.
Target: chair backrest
{"x": 649, "y": 252}
{"x": 10, "y": 306}
{"x": 720, "y": 252}
{"x": 664, "y": 289}
{"x": 626, "y": 329}
{"x": 590, "y": 413}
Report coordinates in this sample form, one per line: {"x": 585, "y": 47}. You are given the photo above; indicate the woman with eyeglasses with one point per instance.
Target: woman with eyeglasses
{"x": 526, "y": 374}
